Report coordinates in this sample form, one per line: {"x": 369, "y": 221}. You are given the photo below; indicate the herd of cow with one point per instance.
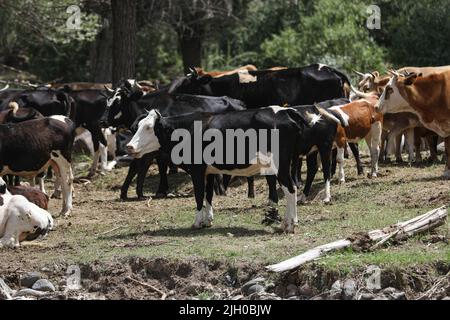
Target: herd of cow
{"x": 315, "y": 110}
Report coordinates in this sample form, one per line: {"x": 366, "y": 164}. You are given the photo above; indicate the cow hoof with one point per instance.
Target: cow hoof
{"x": 327, "y": 201}
{"x": 197, "y": 227}
{"x": 143, "y": 198}
{"x": 289, "y": 228}
{"x": 302, "y": 199}
{"x": 342, "y": 181}
{"x": 250, "y": 196}
{"x": 65, "y": 214}
{"x": 123, "y": 198}
{"x": 160, "y": 195}
{"x": 56, "y": 195}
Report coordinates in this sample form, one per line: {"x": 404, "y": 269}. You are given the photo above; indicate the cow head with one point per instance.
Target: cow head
{"x": 368, "y": 80}
{"x": 145, "y": 140}
{"x": 393, "y": 98}
{"x": 193, "y": 83}
{"x": 118, "y": 101}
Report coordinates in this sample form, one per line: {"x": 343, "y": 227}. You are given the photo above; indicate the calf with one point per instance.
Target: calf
{"x": 155, "y": 132}
{"x": 20, "y": 219}
{"x": 363, "y": 122}
{"x": 31, "y": 194}
{"x": 28, "y": 148}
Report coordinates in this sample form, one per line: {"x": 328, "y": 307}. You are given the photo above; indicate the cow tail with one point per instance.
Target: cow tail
{"x": 346, "y": 84}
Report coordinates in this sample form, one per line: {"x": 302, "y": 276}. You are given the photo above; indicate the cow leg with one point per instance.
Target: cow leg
{"x": 290, "y": 192}
{"x": 312, "y": 168}
{"x": 355, "y": 150}
{"x": 432, "y": 143}
{"x": 333, "y": 162}
{"x": 383, "y": 147}
{"x": 273, "y": 195}
{"x": 142, "y": 168}
{"x": 417, "y": 146}
{"x": 251, "y": 187}
{"x": 226, "y": 182}
{"x": 66, "y": 178}
{"x": 398, "y": 147}
{"x": 103, "y": 158}
{"x": 57, "y": 192}
{"x": 163, "y": 187}
{"x": 132, "y": 171}
{"x": 209, "y": 215}
{"x": 97, "y": 138}
{"x": 373, "y": 141}
{"x": 447, "y": 153}
{"x": 198, "y": 180}
{"x": 218, "y": 187}
{"x": 340, "y": 161}
{"x": 325, "y": 156}
{"x": 409, "y": 137}
{"x": 41, "y": 184}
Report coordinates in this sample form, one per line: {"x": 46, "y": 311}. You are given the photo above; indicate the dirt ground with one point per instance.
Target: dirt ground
{"x": 152, "y": 241}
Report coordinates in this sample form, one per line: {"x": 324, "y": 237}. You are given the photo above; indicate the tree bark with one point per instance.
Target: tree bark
{"x": 191, "y": 50}
{"x": 124, "y": 39}
{"x": 101, "y": 56}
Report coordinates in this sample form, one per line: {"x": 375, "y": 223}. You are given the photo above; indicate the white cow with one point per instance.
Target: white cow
{"x": 20, "y": 219}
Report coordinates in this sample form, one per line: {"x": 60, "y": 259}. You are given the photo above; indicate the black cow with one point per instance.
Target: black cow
{"x": 48, "y": 102}
{"x": 296, "y": 86}
{"x": 29, "y": 148}
{"x": 155, "y": 133}
{"x": 318, "y": 138}
{"x": 90, "y": 104}
{"x": 293, "y": 87}
{"x": 127, "y": 104}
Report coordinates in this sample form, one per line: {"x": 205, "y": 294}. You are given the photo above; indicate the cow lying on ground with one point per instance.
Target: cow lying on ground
{"x": 154, "y": 133}
{"x": 20, "y": 220}
{"x": 28, "y": 148}
{"x": 31, "y": 194}
{"x": 426, "y": 96}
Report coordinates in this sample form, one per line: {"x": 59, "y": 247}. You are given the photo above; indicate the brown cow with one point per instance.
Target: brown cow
{"x": 31, "y": 194}
{"x": 364, "y": 122}
{"x": 426, "y": 96}
{"x": 218, "y": 74}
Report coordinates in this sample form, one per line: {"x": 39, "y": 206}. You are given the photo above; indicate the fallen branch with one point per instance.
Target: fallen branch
{"x": 109, "y": 231}
{"x": 399, "y": 231}
{"x": 149, "y": 286}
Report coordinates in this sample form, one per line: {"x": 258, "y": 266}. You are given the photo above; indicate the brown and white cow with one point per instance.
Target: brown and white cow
{"x": 426, "y": 96}
{"x": 364, "y": 122}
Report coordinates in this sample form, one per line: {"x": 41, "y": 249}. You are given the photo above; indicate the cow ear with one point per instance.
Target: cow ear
{"x": 205, "y": 80}
{"x": 410, "y": 79}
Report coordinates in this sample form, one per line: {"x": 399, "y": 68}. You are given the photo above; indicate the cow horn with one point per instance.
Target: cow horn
{"x": 361, "y": 94}
{"x": 359, "y": 73}
{"x": 158, "y": 114}
{"x": 14, "y": 106}
{"x": 373, "y": 75}
{"x": 5, "y": 88}
{"x": 108, "y": 89}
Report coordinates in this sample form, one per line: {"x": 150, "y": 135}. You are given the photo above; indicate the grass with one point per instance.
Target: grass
{"x": 161, "y": 228}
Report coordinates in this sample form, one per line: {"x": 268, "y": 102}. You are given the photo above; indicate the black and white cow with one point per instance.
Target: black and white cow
{"x": 293, "y": 87}
{"x": 155, "y": 133}
{"x": 28, "y": 148}
{"x": 127, "y": 105}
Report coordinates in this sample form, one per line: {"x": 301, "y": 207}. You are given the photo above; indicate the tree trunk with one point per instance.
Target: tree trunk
{"x": 124, "y": 39}
{"x": 191, "y": 51}
{"x": 101, "y": 55}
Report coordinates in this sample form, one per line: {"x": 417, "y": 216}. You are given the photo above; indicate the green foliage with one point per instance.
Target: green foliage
{"x": 334, "y": 34}
{"x": 417, "y": 32}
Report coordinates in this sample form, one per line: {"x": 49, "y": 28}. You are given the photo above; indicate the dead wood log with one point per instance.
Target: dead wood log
{"x": 399, "y": 231}
{"x": 5, "y": 291}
